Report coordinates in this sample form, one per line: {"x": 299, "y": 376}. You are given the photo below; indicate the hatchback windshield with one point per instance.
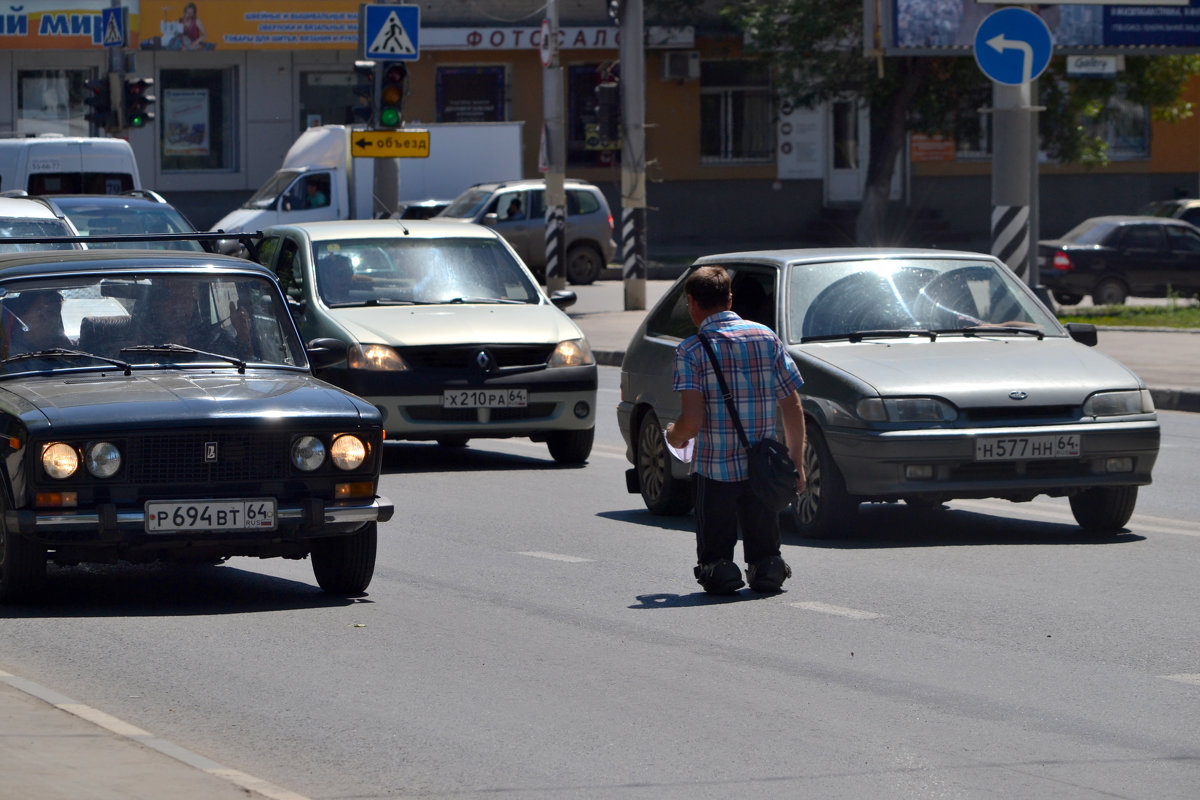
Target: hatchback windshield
{"x": 102, "y": 319}
{"x": 33, "y": 227}
{"x": 443, "y": 270}
{"x": 944, "y": 296}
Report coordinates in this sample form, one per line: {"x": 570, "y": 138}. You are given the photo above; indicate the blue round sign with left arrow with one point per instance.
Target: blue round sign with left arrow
{"x": 1013, "y": 46}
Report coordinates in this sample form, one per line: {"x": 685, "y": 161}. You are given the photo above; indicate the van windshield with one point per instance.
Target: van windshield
{"x": 270, "y": 191}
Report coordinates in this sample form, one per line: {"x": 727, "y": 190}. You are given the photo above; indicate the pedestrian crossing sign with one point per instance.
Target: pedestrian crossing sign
{"x": 112, "y": 20}
{"x": 389, "y": 32}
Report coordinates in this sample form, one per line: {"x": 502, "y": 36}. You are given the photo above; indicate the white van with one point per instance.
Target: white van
{"x": 57, "y": 164}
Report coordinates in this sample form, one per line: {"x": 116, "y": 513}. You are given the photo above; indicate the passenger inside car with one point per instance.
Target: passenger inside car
{"x": 335, "y": 278}
{"x": 33, "y": 322}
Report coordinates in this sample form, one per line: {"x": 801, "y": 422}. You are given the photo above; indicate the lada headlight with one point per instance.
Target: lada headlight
{"x": 103, "y": 459}
{"x": 1110, "y": 404}
{"x": 348, "y": 452}
{"x": 376, "y": 357}
{"x": 59, "y": 460}
{"x": 906, "y": 409}
{"x": 308, "y": 453}
{"x": 572, "y": 353}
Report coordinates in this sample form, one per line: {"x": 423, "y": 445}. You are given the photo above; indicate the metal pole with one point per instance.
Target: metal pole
{"x": 633, "y": 155}
{"x": 556, "y": 157}
{"x": 1011, "y": 155}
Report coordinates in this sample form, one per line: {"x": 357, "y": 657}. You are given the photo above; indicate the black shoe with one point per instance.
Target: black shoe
{"x": 719, "y": 577}
{"x": 768, "y": 575}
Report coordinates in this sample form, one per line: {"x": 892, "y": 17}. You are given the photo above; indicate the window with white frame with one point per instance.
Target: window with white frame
{"x": 735, "y": 112}
{"x": 51, "y": 101}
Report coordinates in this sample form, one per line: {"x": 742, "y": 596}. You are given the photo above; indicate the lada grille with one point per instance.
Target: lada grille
{"x": 179, "y": 458}
{"x": 505, "y": 356}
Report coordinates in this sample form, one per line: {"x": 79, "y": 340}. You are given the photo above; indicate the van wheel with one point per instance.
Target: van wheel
{"x": 1109, "y": 292}
{"x": 662, "y": 492}
{"x": 583, "y": 264}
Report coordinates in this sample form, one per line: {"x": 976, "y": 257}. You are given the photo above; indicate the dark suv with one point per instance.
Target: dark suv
{"x": 161, "y": 406}
{"x": 517, "y": 211}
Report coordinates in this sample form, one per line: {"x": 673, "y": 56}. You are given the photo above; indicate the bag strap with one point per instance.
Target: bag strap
{"x": 726, "y": 395}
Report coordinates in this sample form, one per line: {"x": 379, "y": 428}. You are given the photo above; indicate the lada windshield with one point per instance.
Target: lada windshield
{"x": 895, "y": 296}
{"x": 420, "y": 271}
{"x": 156, "y": 318}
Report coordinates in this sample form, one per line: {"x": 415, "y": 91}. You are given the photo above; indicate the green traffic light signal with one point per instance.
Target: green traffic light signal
{"x": 391, "y": 95}
{"x": 137, "y": 102}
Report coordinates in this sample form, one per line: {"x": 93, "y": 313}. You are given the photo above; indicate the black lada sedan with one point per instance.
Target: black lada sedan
{"x": 161, "y": 406}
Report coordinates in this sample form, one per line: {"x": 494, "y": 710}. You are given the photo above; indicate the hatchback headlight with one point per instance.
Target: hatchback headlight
{"x": 348, "y": 452}
{"x": 572, "y": 353}
{"x": 906, "y": 409}
{"x": 59, "y": 460}
{"x": 103, "y": 459}
{"x": 1110, "y": 404}
{"x": 376, "y": 357}
{"x": 308, "y": 453}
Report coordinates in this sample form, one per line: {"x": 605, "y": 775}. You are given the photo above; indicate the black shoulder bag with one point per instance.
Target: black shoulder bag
{"x": 772, "y": 472}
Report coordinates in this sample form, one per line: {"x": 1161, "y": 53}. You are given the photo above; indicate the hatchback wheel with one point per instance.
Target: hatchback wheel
{"x": 583, "y": 264}
{"x": 823, "y": 508}
{"x": 1105, "y": 508}
{"x": 571, "y": 447}
{"x": 662, "y": 492}
{"x": 1109, "y": 292}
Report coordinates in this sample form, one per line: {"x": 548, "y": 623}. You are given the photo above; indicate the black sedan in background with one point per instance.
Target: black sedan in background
{"x": 139, "y": 211}
{"x": 1111, "y": 258}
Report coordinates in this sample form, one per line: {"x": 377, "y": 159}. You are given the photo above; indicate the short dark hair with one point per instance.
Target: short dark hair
{"x": 709, "y": 286}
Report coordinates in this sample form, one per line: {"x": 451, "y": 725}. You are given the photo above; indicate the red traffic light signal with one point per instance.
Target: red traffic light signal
{"x": 391, "y": 95}
{"x": 137, "y": 101}
{"x": 99, "y": 102}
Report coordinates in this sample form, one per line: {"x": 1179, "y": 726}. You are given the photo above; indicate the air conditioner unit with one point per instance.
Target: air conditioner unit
{"x": 681, "y": 65}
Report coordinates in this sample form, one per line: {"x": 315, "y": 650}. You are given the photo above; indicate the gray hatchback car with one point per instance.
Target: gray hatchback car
{"x": 929, "y": 375}
{"x": 517, "y": 211}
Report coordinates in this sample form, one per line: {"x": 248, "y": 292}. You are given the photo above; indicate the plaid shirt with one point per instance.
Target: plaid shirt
{"x": 759, "y": 372}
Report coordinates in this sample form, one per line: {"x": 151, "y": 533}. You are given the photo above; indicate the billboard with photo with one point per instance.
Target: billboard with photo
{"x": 947, "y": 27}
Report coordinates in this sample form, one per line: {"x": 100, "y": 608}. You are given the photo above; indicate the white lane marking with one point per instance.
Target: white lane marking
{"x": 839, "y": 611}
{"x": 125, "y": 730}
{"x": 1193, "y": 678}
{"x": 556, "y": 557}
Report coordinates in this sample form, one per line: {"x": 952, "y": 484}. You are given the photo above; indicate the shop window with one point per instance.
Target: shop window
{"x": 584, "y": 147}
{"x": 471, "y": 94}
{"x": 51, "y": 101}
{"x": 197, "y": 119}
{"x": 327, "y": 98}
{"x": 735, "y": 112}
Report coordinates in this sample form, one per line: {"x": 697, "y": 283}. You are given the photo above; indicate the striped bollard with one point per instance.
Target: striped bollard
{"x": 1010, "y": 236}
{"x": 633, "y": 242}
{"x": 555, "y": 229}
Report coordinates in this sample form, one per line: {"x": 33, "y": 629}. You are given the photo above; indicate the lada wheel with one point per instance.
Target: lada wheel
{"x": 583, "y": 264}
{"x": 823, "y": 508}
{"x": 1109, "y": 292}
{"x": 662, "y": 492}
{"x": 344, "y": 565}
{"x": 22, "y": 566}
{"x": 1105, "y": 508}
{"x": 571, "y": 447}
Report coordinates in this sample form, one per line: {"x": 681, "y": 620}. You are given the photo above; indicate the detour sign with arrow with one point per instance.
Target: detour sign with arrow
{"x": 390, "y": 144}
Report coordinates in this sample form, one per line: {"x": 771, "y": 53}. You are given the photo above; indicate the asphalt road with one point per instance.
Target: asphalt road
{"x": 532, "y": 632}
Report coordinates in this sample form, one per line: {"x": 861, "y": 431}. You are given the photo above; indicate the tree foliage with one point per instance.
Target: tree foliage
{"x": 816, "y": 51}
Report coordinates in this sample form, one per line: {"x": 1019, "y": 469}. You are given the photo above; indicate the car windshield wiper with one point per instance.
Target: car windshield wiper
{"x": 62, "y": 352}
{"x": 470, "y": 299}
{"x": 172, "y": 347}
{"x": 999, "y": 330}
{"x": 897, "y": 333}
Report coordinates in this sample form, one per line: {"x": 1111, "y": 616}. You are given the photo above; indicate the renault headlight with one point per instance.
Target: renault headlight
{"x": 1111, "y": 404}
{"x": 906, "y": 409}
{"x": 59, "y": 460}
{"x": 376, "y": 357}
{"x": 348, "y": 452}
{"x": 572, "y": 353}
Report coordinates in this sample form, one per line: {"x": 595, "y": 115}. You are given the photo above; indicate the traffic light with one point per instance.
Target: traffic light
{"x": 364, "y": 93}
{"x": 391, "y": 96}
{"x": 608, "y": 111}
{"x": 137, "y": 101}
{"x": 99, "y": 102}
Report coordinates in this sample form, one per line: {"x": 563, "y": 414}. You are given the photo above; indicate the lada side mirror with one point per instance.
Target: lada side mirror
{"x": 326, "y": 352}
{"x": 1083, "y": 332}
{"x": 563, "y": 298}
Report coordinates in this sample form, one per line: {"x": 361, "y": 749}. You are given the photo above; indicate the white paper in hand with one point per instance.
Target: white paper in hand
{"x": 684, "y": 453}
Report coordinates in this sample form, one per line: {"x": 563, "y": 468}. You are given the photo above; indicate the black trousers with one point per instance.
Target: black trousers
{"x": 724, "y": 507}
